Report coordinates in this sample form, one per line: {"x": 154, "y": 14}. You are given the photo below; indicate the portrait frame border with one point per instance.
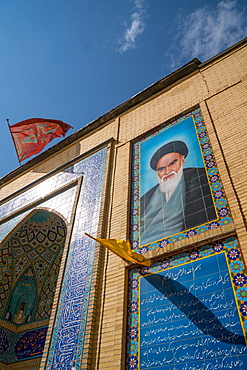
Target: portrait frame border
{"x": 230, "y": 247}
{"x": 222, "y": 210}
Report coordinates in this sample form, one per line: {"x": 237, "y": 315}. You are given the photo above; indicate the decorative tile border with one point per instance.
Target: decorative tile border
{"x": 68, "y": 335}
{"x": 237, "y": 272}
{"x": 219, "y": 198}
{"x": 61, "y": 202}
{"x": 45, "y": 187}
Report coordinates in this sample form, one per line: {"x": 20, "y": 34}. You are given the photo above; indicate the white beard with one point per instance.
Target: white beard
{"x": 168, "y": 186}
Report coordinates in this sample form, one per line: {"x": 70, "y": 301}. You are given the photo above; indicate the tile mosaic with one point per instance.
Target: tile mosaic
{"x": 38, "y": 191}
{"x": 70, "y": 327}
{"x": 174, "y": 318}
{"x": 68, "y": 334}
{"x": 205, "y": 211}
{"x": 21, "y": 346}
{"x": 61, "y": 203}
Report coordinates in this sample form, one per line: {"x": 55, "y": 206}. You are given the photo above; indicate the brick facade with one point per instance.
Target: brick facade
{"x": 219, "y": 88}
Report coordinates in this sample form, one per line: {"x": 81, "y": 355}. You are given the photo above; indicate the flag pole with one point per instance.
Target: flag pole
{"x": 7, "y": 120}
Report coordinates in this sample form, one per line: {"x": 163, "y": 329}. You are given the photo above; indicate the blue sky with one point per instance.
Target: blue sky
{"x": 74, "y": 60}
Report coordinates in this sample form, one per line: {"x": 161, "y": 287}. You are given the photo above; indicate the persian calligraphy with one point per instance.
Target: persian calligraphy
{"x": 72, "y": 307}
{"x": 31, "y": 344}
{"x": 189, "y": 319}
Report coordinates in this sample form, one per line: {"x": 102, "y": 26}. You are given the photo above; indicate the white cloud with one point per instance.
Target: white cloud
{"x": 207, "y": 31}
{"x": 136, "y": 27}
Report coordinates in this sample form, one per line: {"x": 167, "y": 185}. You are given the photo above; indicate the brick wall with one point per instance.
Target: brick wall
{"x": 219, "y": 88}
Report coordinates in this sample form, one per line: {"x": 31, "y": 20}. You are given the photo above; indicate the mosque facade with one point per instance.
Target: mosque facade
{"x": 165, "y": 170}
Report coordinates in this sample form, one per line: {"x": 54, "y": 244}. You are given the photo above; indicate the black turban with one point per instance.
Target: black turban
{"x": 172, "y": 147}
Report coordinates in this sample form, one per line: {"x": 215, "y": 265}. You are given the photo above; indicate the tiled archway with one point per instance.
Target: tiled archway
{"x": 30, "y": 257}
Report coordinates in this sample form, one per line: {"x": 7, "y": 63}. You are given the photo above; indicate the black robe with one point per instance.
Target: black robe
{"x": 199, "y": 207}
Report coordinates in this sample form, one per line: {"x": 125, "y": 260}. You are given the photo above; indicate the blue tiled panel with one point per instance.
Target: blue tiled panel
{"x": 47, "y": 186}
{"x": 68, "y": 335}
{"x": 189, "y": 311}
{"x": 61, "y": 203}
{"x": 67, "y": 339}
{"x": 21, "y": 346}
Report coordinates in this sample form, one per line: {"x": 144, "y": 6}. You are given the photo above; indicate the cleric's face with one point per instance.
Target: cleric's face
{"x": 169, "y": 165}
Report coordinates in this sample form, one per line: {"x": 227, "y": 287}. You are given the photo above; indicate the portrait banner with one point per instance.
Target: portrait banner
{"x": 176, "y": 187}
{"x": 189, "y": 311}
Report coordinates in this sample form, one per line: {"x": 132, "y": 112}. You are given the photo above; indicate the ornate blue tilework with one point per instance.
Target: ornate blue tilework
{"x": 16, "y": 347}
{"x": 220, "y": 296}
{"x": 62, "y": 203}
{"x": 29, "y": 265}
{"x": 68, "y": 334}
{"x": 200, "y": 155}
{"x": 67, "y": 339}
{"x": 31, "y": 344}
{"x": 47, "y": 186}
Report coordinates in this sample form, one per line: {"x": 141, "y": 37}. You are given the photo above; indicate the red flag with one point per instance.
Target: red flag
{"x": 32, "y": 135}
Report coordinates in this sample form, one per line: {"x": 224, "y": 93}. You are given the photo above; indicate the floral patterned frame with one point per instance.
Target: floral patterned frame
{"x": 218, "y": 194}
{"x": 237, "y": 272}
